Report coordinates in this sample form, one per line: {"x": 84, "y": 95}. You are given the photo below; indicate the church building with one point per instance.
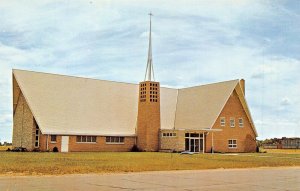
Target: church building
{"x": 72, "y": 114}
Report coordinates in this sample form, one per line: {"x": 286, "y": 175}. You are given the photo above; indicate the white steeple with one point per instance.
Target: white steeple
{"x": 149, "y": 75}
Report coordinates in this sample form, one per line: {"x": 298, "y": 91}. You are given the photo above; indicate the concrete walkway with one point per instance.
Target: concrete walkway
{"x": 233, "y": 179}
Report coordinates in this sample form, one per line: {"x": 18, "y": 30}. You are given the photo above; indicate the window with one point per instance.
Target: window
{"x": 53, "y": 138}
{"x": 232, "y": 122}
{"x": 86, "y": 139}
{"x": 37, "y": 137}
{"x": 169, "y": 134}
{"x": 241, "y": 122}
{"x": 115, "y": 140}
{"x": 232, "y": 143}
{"x": 222, "y": 121}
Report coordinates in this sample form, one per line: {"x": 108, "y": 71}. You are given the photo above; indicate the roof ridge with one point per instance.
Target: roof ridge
{"x": 214, "y": 83}
{"x": 70, "y": 76}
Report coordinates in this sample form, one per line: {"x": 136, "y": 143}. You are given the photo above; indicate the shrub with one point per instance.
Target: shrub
{"x": 55, "y": 149}
{"x": 135, "y": 149}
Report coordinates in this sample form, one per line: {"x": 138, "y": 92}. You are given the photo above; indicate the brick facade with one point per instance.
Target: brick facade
{"x": 148, "y": 120}
{"x": 74, "y": 146}
{"x": 245, "y": 136}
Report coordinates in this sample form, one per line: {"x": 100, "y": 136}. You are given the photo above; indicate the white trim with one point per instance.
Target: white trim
{"x": 246, "y": 108}
{"x": 90, "y": 134}
{"x": 232, "y": 144}
{"x": 112, "y": 143}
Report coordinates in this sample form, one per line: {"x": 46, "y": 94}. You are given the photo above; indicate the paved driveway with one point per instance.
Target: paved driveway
{"x": 234, "y": 179}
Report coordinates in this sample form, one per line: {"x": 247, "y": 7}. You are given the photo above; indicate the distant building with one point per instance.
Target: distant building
{"x": 283, "y": 143}
{"x": 80, "y": 114}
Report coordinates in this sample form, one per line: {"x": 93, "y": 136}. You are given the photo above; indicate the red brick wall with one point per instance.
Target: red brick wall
{"x": 100, "y": 144}
{"x": 245, "y": 136}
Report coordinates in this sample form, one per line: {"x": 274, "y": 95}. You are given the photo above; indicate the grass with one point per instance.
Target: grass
{"x": 29, "y": 163}
{"x": 4, "y": 148}
{"x": 283, "y": 151}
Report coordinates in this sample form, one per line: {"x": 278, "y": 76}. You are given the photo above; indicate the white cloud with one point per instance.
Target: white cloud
{"x": 193, "y": 43}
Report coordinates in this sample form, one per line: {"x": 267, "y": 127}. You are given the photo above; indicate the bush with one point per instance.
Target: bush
{"x": 257, "y": 149}
{"x": 36, "y": 150}
{"x": 135, "y": 149}
{"x": 55, "y": 149}
{"x": 8, "y": 149}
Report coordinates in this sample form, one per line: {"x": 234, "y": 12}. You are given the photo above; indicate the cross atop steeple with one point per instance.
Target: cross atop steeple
{"x": 149, "y": 75}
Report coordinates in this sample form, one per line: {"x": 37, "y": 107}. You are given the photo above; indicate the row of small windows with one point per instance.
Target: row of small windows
{"x": 86, "y": 139}
{"x": 169, "y": 134}
{"x": 187, "y": 135}
{"x": 142, "y": 89}
{"x": 91, "y": 139}
{"x": 151, "y": 84}
{"x": 151, "y": 92}
{"x": 37, "y": 133}
{"x": 151, "y": 96}
{"x": 151, "y": 100}
{"x": 115, "y": 140}
{"x": 232, "y": 122}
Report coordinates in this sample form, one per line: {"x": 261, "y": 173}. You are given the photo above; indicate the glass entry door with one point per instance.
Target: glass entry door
{"x": 194, "y": 145}
{"x": 194, "y": 142}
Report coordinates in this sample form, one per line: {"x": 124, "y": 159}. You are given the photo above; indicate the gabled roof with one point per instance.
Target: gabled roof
{"x": 198, "y": 107}
{"x": 73, "y": 105}
{"x": 81, "y": 106}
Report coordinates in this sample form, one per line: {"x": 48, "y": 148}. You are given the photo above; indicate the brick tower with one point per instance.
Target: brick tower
{"x": 148, "y": 120}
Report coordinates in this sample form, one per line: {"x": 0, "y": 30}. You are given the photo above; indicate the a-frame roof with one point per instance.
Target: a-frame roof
{"x": 198, "y": 107}
{"x": 81, "y": 106}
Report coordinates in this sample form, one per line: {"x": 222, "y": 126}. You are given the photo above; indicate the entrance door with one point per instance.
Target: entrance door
{"x": 65, "y": 144}
{"x": 192, "y": 145}
{"x": 194, "y": 142}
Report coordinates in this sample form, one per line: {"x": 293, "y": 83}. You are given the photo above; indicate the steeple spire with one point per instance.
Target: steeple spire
{"x": 149, "y": 75}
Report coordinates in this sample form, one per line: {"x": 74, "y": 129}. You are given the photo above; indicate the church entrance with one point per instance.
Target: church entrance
{"x": 194, "y": 142}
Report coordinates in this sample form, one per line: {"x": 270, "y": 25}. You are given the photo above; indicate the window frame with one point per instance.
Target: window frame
{"x": 232, "y": 119}
{"x": 111, "y": 140}
{"x": 169, "y": 134}
{"x": 232, "y": 145}
{"x": 85, "y": 138}
{"x": 241, "y": 123}
{"x": 222, "y": 124}
{"x": 51, "y": 141}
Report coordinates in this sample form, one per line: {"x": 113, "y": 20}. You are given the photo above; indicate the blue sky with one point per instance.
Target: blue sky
{"x": 194, "y": 42}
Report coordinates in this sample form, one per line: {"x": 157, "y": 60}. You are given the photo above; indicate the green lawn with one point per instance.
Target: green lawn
{"x": 29, "y": 163}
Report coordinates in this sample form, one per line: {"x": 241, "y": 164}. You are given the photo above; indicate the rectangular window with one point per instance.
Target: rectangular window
{"x": 232, "y": 143}
{"x": 169, "y": 134}
{"x": 222, "y": 121}
{"x": 115, "y": 140}
{"x": 86, "y": 139}
{"x": 232, "y": 122}
{"x": 241, "y": 122}
{"x": 53, "y": 138}
{"x": 37, "y": 137}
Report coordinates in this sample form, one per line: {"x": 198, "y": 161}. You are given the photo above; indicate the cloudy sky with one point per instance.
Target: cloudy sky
{"x": 194, "y": 42}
